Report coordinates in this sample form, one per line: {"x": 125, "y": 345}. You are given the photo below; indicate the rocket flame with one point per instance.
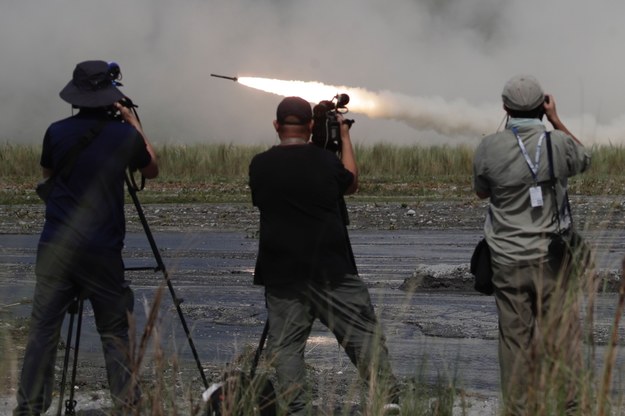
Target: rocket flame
{"x": 447, "y": 117}
{"x": 361, "y": 101}
{"x": 434, "y": 113}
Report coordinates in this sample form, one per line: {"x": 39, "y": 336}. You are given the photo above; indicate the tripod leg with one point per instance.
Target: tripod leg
{"x": 70, "y": 404}
{"x": 132, "y": 190}
{"x": 68, "y": 344}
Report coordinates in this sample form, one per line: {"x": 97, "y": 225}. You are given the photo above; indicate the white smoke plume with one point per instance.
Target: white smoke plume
{"x": 437, "y": 67}
{"x": 450, "y": 118}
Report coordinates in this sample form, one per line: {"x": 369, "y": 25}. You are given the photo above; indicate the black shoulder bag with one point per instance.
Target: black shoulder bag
{"x": 567, "y": 248}
{"x": 44, "y": 187}
{"x": 482, "y": 269}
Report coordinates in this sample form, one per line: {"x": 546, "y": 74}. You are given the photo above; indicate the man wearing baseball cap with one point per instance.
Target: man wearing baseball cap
{"x": 304, "y": 257}
{"x": 512, "y": 168}
{"x": 79, "y": 255}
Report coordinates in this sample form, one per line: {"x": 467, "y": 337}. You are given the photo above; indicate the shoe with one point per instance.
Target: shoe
{"x": 391, "y": 409}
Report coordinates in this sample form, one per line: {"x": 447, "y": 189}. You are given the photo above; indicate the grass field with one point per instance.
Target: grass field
{"x": 209, "y": 173}
{"x": 218, "y": 172}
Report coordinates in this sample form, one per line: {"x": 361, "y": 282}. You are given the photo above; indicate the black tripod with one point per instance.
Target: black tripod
{"x": 76, "y": 307}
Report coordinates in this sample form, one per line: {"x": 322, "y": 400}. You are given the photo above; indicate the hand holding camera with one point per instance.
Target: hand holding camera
{"x": 552, "y": 116}
{"x": 549, "y": 106}
{"x": 550, "y": 110}
{"x": 124, "y": 110}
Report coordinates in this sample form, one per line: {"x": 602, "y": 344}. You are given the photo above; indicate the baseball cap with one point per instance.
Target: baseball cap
{"x": 522, "y": 93}
{"x": 93, "y": 85}
{"x": 295, "y": 107}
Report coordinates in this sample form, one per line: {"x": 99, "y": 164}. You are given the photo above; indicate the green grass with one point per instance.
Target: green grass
{"x": 203, "y": 173}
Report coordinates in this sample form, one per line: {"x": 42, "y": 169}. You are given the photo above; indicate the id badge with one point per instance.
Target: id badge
{"x": 536, "y": 196}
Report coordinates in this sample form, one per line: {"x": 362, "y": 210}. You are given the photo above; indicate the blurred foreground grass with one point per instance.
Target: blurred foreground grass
{"x": 218, "y": 173}
{"x": 204, "y": 173}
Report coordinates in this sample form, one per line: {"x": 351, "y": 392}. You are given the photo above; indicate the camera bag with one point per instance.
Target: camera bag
{"x": 481, "y": 268}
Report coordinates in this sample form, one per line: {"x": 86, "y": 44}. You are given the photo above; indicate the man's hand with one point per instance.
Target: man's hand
{"x": 128, "y": 115}
{"x": 552, "y": 115}
{"x": 347, "y": 154}
{"x": 550, "y": 108}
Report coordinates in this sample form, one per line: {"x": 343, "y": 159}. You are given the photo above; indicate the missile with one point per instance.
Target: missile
{"x": 235, "y": 79}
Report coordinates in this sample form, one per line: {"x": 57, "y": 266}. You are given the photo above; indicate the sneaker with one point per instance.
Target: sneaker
{"x": 391, "y": 409}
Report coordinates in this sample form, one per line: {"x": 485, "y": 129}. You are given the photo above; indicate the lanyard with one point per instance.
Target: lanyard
{"x": 533, "y": 166}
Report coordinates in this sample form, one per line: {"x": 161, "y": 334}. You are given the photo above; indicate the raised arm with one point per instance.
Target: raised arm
{"x": 347, "y": 155}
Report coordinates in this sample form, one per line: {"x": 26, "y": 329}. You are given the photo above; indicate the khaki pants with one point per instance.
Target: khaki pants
{"x": 344, "y": 306}
{"x": 539, "y": 332}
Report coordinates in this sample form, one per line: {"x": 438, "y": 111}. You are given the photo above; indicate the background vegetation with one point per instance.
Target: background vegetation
{"x": 205, "y": 173}
{"x": 218, "y": 172}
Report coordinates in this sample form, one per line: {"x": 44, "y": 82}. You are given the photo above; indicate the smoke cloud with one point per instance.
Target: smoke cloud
{"x": 438, "y": 66}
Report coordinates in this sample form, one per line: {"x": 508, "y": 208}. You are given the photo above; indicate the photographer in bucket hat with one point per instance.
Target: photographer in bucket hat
{"x": 512, "y": 169}
{"x": 80, "y": 248}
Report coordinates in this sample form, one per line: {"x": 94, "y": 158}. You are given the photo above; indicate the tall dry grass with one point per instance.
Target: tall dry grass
{"x": 218, "y": 172}
{"x": 384, "y": 168}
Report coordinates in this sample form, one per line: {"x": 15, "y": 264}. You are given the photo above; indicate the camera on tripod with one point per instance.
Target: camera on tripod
{"x": 327, "y": 128}
{"x": 114, "y": 74}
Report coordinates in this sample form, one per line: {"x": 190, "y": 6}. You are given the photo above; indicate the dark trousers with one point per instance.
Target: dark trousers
{"x": 62, "y": 276}
{"x": 345, "y": 307}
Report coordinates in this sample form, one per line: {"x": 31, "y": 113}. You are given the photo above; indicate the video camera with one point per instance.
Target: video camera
{"x": 327, "y": 129}
{"x": 115, "y": 76}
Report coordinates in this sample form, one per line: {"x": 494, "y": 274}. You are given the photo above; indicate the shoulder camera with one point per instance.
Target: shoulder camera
{"x": 327, "y": 128}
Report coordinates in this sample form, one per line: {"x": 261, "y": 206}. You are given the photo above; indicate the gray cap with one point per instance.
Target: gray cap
{"x": 522, "y": 93}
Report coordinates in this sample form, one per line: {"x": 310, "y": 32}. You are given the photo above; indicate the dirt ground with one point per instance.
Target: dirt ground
{"x": 589, "y": 212}
{"x": 92, "y": 395}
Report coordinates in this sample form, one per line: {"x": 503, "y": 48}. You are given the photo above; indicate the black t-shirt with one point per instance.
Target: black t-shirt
{"x": 86, "y": 209}
{"x": 298, "y": 190}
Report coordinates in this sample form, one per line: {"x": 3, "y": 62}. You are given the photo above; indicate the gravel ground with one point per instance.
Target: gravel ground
{"x": 591, "y": 213}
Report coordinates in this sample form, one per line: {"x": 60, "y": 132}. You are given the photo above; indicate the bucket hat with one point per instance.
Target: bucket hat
{"x": 93, "y": 85}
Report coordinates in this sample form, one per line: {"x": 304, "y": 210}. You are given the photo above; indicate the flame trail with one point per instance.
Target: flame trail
{"x": 454, "y": 118}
